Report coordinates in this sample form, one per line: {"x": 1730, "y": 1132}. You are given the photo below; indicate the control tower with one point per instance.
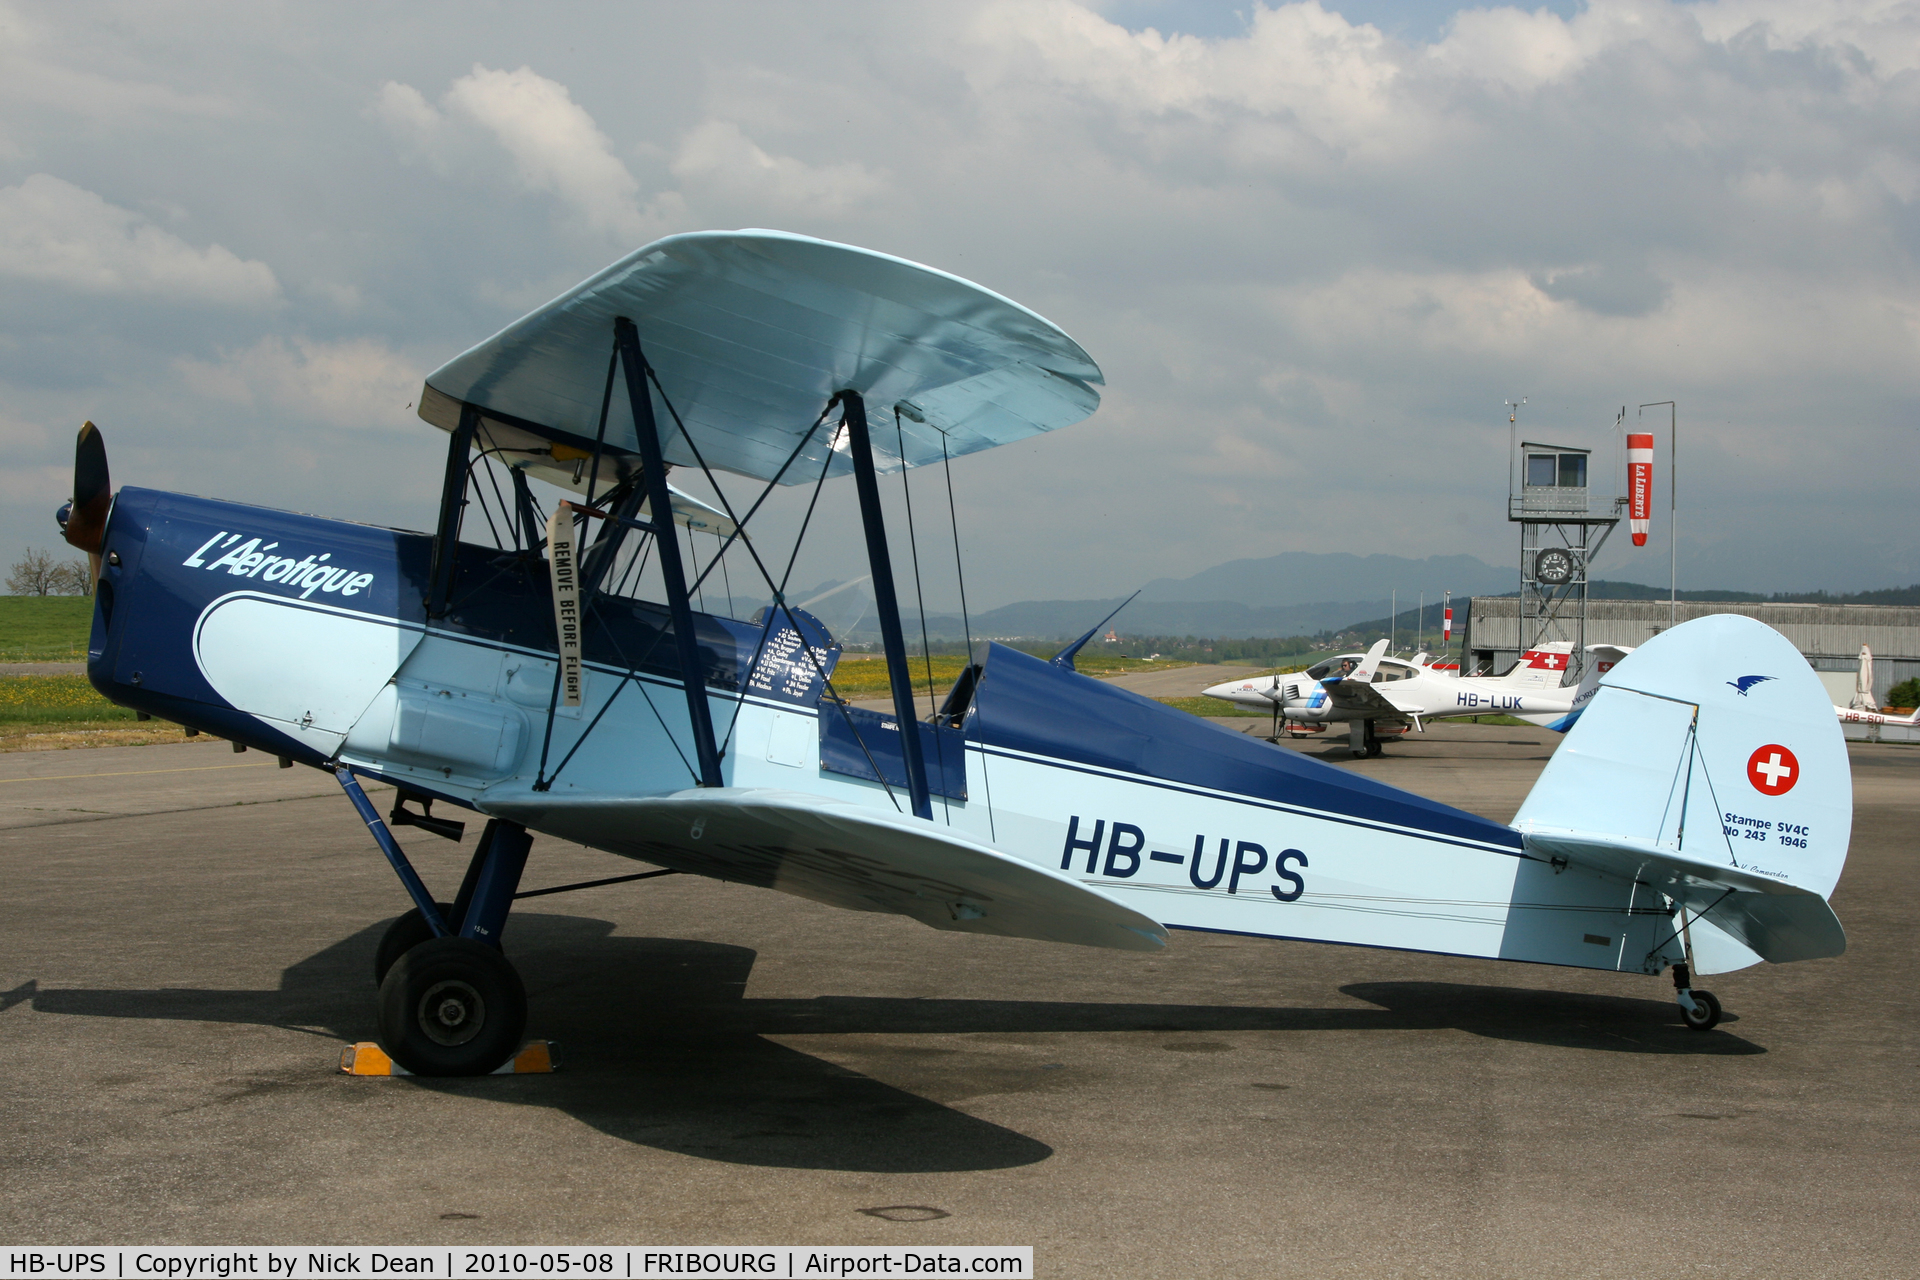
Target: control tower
{"x": 1563, "y": 525}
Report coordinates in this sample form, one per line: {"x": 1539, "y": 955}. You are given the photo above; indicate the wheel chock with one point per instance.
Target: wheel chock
{"x": 369, "y": 1059}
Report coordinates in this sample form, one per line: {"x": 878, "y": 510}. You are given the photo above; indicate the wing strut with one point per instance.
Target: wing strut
{"x": 672, "y": 572}
{"x": 453, "y": 502}
{"x": 854, "y": 415}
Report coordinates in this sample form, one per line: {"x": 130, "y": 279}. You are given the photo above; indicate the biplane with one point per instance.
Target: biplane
{"x": 509, "y": 663}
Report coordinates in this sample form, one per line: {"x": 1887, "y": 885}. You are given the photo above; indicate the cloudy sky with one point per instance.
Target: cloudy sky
{"x": 1314, "y": 247}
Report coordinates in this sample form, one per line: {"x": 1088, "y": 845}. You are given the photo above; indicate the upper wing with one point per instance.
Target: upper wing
{"x": 842, "y": 854}
{"x": 750, "y": 333}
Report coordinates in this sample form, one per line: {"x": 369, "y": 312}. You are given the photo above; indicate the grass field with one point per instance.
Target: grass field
{"x": 861, "y": 676}
{"x": 1203, "y": 706}
{"x": 39, "y": 713}
{"x": 60, "y": 711}
{"x": 44, "y": 628}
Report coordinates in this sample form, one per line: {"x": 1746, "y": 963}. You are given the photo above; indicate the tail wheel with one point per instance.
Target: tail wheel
{"x": 1705, "y": 1014}
{"x": 402, "y": 936}
{"x": 452, "y": 1007}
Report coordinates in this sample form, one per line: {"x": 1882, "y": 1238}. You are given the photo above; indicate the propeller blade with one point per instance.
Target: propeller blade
{"x": 86, "y": 523}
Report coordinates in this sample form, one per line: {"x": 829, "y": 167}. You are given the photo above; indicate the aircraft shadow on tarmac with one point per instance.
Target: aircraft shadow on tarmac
{"x": 661, "y": 1047}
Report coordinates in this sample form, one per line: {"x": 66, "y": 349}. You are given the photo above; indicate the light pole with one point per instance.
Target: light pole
{"x": 1673, "y": 485}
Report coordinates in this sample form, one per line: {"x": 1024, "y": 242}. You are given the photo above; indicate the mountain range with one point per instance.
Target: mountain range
{"x": 1296, "y": 593}
{"x": 1290, "y": 594}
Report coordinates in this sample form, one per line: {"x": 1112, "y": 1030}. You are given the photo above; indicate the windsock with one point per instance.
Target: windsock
{"x": 1640, "y": 485}
{"x": 1446, "y": 622}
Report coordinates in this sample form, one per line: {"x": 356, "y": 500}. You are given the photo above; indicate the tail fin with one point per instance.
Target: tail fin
{"x": 1601, "y": 658}
{"x": 1542, "y": 668}
{"x": 1709, "y": 766}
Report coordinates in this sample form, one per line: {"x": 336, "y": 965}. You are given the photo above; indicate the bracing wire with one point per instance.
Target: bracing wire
{"x": 966, "y": 622}
{"x": 920, "y": 602}
{"x": 779, "y": 595}
{"x": 953, "y": 517}
{"x": 913, "y": 548}
{"x": 600, "y": 433}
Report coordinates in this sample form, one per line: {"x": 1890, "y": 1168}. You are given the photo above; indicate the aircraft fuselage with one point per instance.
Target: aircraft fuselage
{"x": 310, "y": 638}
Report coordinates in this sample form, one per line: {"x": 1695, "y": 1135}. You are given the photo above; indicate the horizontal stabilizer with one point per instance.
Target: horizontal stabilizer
{"x": 1709, "y": 767}
{"x": 842, "y": 854}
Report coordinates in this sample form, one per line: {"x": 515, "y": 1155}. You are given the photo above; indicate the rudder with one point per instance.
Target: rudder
{"x": 1709, "y": 765}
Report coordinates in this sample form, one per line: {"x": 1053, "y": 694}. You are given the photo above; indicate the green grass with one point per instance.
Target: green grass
{"x": 865, "y": 677}
{"x": 1205, "y": 706}
{"x": 44, "y": 628}
{"x": 54, "y": 700}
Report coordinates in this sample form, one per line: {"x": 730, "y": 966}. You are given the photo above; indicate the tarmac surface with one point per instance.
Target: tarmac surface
{"x": 186, "y": 937}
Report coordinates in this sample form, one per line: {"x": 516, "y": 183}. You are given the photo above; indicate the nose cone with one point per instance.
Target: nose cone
{"x": 1244, "y": 692}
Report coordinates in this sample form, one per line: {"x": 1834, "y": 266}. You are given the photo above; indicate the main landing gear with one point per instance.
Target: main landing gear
{"x": 1361, "y": 739}
{"x": 1700, "y": 1009}
{"x": 450, "y": 1003}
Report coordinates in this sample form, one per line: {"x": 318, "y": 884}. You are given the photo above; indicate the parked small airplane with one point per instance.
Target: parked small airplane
{"x": 500, "y": 666}
{"x": 1865, "y": 708}
{"x": 1374, "y": 694}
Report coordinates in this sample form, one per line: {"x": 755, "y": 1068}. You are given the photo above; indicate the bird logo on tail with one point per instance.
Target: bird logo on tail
{"x": 1745, "y": 683}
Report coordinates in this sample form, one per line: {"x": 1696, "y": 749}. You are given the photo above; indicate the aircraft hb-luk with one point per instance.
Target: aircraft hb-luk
{"x": 1371, "y": 693}
{"x": 1694, "y": 820}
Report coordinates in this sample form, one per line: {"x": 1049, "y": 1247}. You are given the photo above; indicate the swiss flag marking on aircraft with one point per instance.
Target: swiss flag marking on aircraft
{"x": 1550, "y": 661}
{"x": 1773, "y": 770}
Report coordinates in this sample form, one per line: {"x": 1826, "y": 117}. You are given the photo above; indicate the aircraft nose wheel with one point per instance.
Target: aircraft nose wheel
{"x": 452, "y": 1007}
{"x": 1704, "y": 1014}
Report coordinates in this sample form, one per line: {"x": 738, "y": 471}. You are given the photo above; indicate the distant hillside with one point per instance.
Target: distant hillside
{"x": 1410, "y": 621}
{"x": 1636, "y": 591}
{"x": 1295, "y": 578}
{"x": 1297, "y": 593}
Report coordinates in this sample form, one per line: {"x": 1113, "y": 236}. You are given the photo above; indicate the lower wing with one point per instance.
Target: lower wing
{"x": 841, "y": 854}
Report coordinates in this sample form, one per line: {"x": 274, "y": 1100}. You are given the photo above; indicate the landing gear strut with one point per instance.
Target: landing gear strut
{"x": 1361, "y": 739}
{"x": 450, "y": 1003}
{"x": 1700, "y": 1009}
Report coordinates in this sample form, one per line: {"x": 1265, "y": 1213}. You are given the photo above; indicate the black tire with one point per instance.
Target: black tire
{"x": 452, "y": 1007}
{"x": 1705, "y": 1014}
{"x": 402, "y": 936}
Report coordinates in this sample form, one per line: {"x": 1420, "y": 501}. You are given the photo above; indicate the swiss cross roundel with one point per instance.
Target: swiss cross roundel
{"x": 1773, "y": 770}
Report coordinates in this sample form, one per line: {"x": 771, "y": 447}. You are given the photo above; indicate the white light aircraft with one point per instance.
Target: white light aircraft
{"x": 1865, "y": 708}
{"x": 1369, "y": 690}
{"x": 509, "y": 664}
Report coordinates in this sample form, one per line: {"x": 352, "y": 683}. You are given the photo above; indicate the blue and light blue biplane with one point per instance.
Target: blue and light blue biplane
{"x": 1695, "y": 819}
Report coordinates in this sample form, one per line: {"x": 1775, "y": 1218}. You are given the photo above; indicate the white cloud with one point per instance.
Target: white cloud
{"x": 716, "y": 158}
{"x": 54, "y": 232}
{"x": 36, "y": 70}
{"x": 1306, "y": 235}
{"x": 556, "y": 147}
{"x": 406, "y": 111}
{"x": 357, "y": 384}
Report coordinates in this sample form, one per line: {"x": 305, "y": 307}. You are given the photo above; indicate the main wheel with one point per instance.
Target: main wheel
{"x": 1705, "y": 1014}
{"x": 452, "y": 1007}
{"x": 402, "y": 936}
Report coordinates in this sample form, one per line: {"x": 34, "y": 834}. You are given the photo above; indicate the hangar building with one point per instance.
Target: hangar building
{"x": 1830, "y": 635}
